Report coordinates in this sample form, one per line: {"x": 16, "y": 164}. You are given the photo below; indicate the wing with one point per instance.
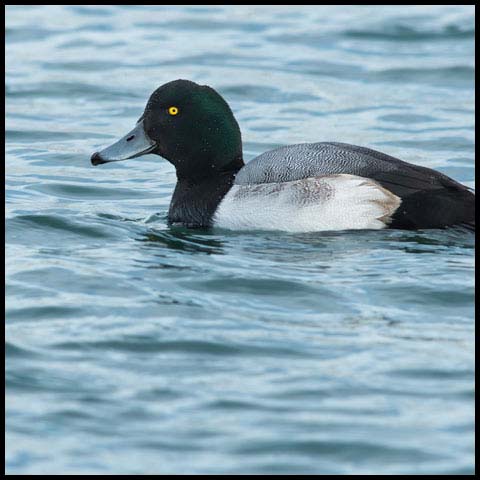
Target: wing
{"x": 429, "y": 198}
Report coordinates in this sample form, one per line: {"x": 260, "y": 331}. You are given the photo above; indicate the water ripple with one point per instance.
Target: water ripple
{"x": 133, "y": 347}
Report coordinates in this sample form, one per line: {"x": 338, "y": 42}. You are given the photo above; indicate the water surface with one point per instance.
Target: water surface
{"x": 133, "y": 347}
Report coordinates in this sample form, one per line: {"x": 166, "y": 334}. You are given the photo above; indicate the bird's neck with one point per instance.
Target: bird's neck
{"x": 195, "y": 200}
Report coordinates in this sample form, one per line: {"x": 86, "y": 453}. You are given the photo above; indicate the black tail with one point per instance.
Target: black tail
{"x": 436, "y": 209}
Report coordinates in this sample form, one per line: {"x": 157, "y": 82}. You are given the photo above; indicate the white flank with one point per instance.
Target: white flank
{"x": 334, "y": 202}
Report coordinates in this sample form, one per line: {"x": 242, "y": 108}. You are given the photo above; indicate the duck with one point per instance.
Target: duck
{"x": 304, "y": 187}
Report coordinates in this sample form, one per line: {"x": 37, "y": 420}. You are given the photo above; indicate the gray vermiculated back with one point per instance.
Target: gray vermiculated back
{"x": 312, "y": 159}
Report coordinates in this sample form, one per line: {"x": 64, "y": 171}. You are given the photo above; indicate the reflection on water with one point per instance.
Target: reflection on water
{"x": 182, "y": 239}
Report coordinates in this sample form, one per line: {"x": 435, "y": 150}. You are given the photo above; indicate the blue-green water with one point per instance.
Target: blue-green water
{"x": 133, "y": 347}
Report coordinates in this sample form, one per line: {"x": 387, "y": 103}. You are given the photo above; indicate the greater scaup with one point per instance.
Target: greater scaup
{"x": 297, "y": 188}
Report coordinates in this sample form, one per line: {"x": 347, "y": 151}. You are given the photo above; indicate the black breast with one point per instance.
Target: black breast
{"x": 194, "y": 202}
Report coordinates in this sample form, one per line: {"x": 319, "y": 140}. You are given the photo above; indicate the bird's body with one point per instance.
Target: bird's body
{"x": 331, "y": 202}
{"x": 298, "y": 188}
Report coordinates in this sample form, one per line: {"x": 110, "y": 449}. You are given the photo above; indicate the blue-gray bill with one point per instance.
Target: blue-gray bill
{"x": 134, "y": 144}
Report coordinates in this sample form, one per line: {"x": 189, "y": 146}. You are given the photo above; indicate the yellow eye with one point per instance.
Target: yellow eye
{"x": 173, "y": 110}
